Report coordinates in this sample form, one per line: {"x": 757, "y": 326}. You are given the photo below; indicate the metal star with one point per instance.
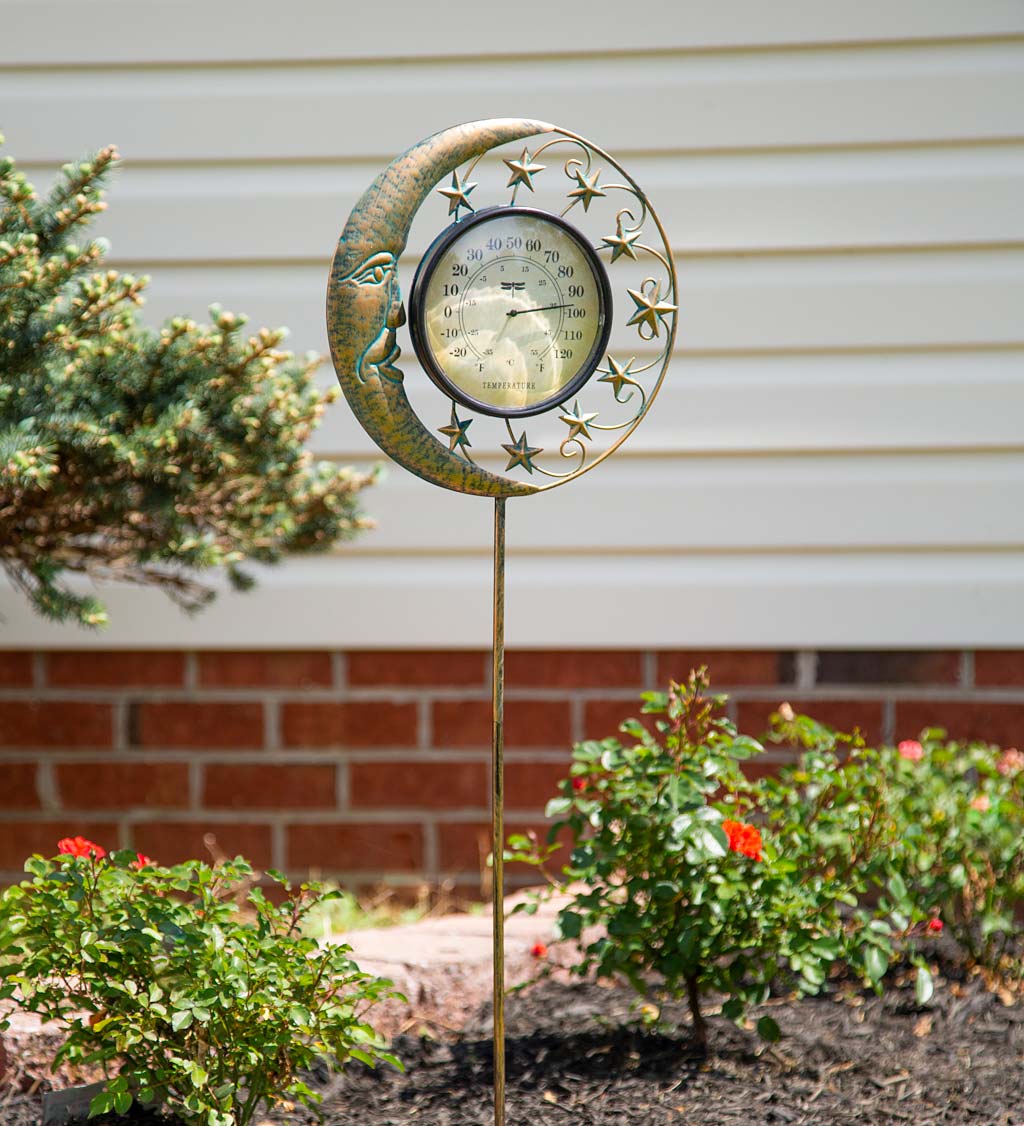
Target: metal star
{"x": 523, "y": 171}
{"x": 579, "y": 424}
{"x": 521, "y": 453}
{"x": 457, "y": 195}
{"x": 620, "y": 375}
{"x": 621, "y": 243}
{"x": 649, "y": 309}
{"x": 455, "y": 431}
{"x": 587, "y": 189}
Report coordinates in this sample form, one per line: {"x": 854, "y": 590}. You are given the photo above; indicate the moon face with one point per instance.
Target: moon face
{"x": 364, "y": 304}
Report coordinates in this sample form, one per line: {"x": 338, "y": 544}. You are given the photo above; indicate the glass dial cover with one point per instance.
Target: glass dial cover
{"x": 510, "y": 311}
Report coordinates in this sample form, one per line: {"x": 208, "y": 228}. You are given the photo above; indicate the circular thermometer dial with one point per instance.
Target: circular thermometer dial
{"x": 511, "y": 311}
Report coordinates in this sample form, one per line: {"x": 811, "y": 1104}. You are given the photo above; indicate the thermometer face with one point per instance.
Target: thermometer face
{"x": 510, "y": 311}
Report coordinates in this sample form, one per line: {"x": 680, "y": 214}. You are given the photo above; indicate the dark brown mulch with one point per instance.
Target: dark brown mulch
{"x": 577, "y": 1054}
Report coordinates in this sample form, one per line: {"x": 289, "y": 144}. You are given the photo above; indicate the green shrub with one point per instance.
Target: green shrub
{"x": 157, "y": 974}
{"x": 134, "y": 455}
{"x": 943, "y": 842}
{"x": 666, "y": 860}
{"x": 834, "y": 813}
{"x": 960, "y": 808}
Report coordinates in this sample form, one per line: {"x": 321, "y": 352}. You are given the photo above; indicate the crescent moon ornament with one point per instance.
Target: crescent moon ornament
{"x": 364, "y": 304}
{"x": 511, "y": 308}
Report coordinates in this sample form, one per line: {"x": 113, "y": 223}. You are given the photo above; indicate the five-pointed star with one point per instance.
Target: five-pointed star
{"x": 620, "y": 375}
{"x": 587, "y": 189}
{"x": 579, "y": 424}
{"x": 457, "y": 195}
{"x": 649, "y": 309}
{"x": 521, "y": 453}
{"x": 523, "y": 170}
{"x": 455, "y": 431}
{"x": 621, "y": 243}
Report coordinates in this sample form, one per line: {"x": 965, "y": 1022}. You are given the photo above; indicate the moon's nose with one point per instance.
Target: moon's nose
{"x": 396, "y": 315}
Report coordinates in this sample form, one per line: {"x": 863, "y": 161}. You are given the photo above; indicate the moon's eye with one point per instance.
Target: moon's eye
{"x": 374, "y": 271}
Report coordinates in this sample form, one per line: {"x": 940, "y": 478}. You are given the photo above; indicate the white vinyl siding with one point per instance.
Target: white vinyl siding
{"x": 837, "y": 458}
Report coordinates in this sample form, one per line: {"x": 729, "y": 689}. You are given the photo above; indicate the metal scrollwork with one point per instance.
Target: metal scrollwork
{"x": 596, "y": 426}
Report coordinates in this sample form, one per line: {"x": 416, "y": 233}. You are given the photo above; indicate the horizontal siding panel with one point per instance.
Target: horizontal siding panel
{"x": 761, "y": 404}
{"x": 726, "y": 304}
{"x": 900, "y": 601}
{"x": 748, "y": 504}
{"x": 44, "y": 31}
{"x": 709, "y": 204}
{"x": 763, "y": 100}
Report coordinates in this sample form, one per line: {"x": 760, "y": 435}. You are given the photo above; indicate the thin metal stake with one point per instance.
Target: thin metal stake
{"x": 498, "y": 808}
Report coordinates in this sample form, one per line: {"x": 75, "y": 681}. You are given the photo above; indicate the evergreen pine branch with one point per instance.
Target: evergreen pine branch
{"x": 129, "y": 454}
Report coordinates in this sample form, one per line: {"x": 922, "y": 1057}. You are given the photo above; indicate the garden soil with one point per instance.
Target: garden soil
{"x": 581, "y": 1053}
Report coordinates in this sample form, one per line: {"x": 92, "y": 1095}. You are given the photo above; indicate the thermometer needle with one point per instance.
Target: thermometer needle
{"x": 539, "y": 309}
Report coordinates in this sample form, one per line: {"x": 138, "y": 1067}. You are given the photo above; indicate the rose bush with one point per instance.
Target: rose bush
{"x": 668, "y": 862}
{"x": 186, "y": 985}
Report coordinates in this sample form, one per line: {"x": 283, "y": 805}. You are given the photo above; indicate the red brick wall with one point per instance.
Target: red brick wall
{"x": 373, "y": 765}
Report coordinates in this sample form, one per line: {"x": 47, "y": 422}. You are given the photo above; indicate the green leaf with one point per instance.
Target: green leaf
{"x": 875, "y": 962}
{"x": 557, "y": 806}
{"x": 711, "y": 840}
{"x": 733, "y": 1008}
{"x": 769, "y": 1030}
{"x": 101, "y": 1104}
{"x": 924, "y": 986}
{"x": 569, "y": 924}
{"x": 898, "y": 887}
{"x": 743, "y": 746}
{"x": 182, "y": 1019}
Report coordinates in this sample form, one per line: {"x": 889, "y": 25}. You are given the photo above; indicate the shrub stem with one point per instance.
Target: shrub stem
{"x": 700, "y": 1027}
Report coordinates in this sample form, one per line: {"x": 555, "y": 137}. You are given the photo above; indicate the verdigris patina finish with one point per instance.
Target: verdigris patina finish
{"x": 364, "y": 304}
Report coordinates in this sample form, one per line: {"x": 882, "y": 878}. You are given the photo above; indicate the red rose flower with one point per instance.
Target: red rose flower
{"x": 79, "y": 846}
{"x": 579, "y": 784}
{"x": 539, "y": 950}
{"x": 911, "y": 750}
{"x": 142, "y": 861}
{"x": 935, "y": 925}
{"x": 743, "y": 838}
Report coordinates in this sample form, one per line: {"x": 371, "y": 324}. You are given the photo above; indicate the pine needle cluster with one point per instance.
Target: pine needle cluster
{"x": 141, "y": 455}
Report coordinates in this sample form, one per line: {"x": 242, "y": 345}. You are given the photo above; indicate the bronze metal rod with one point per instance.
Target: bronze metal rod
{"x": 498, "y": 807}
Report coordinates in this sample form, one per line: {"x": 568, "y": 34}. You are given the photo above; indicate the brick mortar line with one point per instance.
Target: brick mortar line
{"x": 406, "y": 815}
{"x": 805, "y": 672}
{"x": 195, "y": 784}
{"x": 46, "y": 787}
{"x": 888, "y": 731}
{"x": 952, "y": 693}
{"x": 121, "y": 725}
{"x": 343, "y": 786}
{"x": 297, "y": 757}
{"x": 271, "y": 725}
{"x": 577, "y": 719}
{"x": 279, "y": 696}
{"x": 166, "y": 694}
{"x": 278, "y": 846}
{"x": 431, "y": 851}
{"x": 424, "y": 725}
{"x": 339, "y": 670}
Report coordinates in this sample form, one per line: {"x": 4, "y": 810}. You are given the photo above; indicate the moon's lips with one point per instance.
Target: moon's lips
{"x": 364, "y": 304}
